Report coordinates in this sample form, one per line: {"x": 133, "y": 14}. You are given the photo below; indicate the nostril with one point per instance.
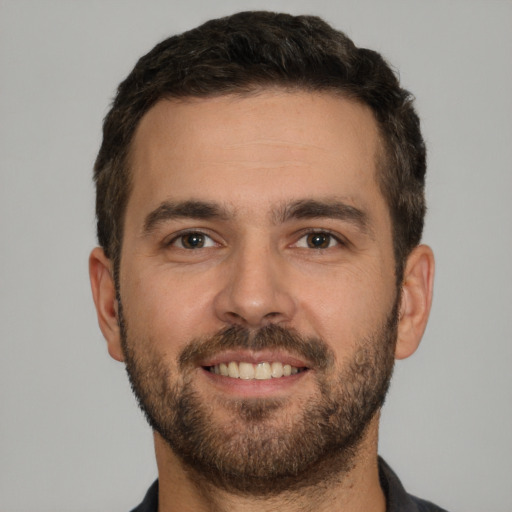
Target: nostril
{"x": 235, "y": 318}
{"x": 271, "y": 317}
{"x": 253, "y": 308}
{"x": 261, "y": 321}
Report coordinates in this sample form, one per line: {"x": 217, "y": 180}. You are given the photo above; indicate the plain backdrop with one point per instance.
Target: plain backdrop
{"x": 71, "y": 436}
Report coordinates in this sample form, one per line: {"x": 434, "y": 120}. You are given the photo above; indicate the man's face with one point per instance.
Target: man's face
{"x": 256, "y": 233}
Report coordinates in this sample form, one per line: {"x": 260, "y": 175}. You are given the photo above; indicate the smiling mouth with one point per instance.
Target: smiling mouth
{"x": 250, "y": 371}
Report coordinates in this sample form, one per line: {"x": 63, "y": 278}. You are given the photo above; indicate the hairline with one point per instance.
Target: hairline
{"x": 382, "y": 154}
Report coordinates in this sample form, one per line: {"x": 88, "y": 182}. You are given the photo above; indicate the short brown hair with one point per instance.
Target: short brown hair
{"x": 254, "y": 50}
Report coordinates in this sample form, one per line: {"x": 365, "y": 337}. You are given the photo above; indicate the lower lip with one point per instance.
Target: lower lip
{"x": 255, "y": 387}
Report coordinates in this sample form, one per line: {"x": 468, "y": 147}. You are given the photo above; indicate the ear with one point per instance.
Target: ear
{"x": 104, "y": 295}
{"x": 417, "y": 288}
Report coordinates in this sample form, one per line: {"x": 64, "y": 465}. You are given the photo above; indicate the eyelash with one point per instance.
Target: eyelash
{"x": 332, "y": 237}
{"x": 183, "y": 234}
{"x": 309, "y": 233}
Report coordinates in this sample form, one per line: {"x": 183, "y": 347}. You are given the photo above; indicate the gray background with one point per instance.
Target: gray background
{"x": 71, "y": 436}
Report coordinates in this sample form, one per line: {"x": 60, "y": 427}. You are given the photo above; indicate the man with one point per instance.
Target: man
{"x": 260, "y": 204}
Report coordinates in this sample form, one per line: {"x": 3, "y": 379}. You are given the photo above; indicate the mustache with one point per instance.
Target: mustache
{"x": 314, "y": 350}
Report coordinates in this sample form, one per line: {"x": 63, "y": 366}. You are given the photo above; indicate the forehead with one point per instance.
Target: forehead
{"x": 274, "y": 144}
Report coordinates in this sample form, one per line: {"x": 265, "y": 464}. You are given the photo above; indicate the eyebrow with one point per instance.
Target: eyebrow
{"x": 169, "y": 210}
{"x": 300, "y": 209}
{"x": 330, "y": 209}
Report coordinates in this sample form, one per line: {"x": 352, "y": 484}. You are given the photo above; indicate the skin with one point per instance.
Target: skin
{"x": 253, "y": 156}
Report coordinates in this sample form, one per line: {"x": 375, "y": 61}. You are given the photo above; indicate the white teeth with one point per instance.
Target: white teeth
{"x": 246, "y": 371}
{"x": 233, "y": 370}
{"x": 262, "y": 371}
{"x": 277, "y": 370}
{"x": 249, "y": 371}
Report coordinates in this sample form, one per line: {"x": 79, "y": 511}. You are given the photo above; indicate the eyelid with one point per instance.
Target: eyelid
{"x": 337, "y": 237}
{"x": 170, "y": 240}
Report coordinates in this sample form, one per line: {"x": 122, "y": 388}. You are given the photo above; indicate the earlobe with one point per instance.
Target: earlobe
{"x": 104, "y": 295}
{"x": 417, "y": 289}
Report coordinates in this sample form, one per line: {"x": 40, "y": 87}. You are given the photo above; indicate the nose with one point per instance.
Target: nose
{"x": 256, "y": 289}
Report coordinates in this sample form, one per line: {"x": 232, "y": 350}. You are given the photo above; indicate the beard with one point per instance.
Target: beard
{"x": 259, "y": 449}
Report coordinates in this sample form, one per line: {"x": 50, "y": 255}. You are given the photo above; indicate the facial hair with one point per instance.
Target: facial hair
{"x": 261, "y": 451}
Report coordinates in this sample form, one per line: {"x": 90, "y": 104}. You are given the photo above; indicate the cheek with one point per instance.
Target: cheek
{"x": 167, "y": 308}
{"x": 348, "y": 306}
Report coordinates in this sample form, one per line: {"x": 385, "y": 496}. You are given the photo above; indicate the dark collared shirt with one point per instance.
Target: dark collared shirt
{"x": 397, "y": 500}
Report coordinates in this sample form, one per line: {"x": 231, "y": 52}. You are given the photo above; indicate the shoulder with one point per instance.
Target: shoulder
{"x": 397, "y": 499}
{"x": 425, "y": 506}
{"x": 150, "y": 501}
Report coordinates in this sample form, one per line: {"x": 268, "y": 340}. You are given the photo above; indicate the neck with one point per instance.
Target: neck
{"x": 357, "y": 490}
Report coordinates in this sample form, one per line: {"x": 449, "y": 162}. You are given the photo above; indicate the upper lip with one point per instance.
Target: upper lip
{"x": 255, "y": 357}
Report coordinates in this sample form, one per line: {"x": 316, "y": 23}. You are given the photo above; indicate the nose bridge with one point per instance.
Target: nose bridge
{"x": 255, "y": 290}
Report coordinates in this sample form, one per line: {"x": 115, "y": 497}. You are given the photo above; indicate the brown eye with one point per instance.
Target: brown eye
{"x": 319, "y": 240}
{"x": 193, "y": 240}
